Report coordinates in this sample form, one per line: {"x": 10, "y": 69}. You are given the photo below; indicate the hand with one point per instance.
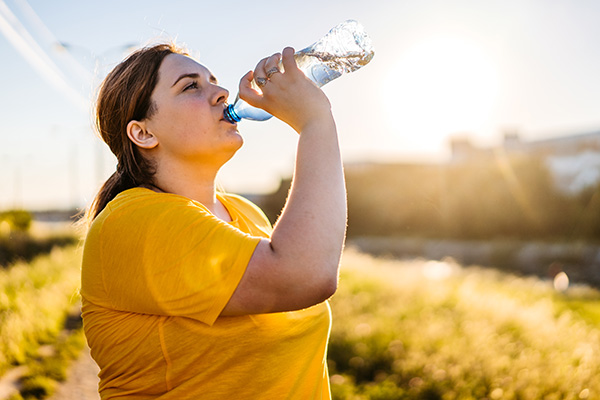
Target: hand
{"x": 288, "y": 95}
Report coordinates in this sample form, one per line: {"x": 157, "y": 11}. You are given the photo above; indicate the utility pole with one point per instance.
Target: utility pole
{"x": 18, "y": 186}
{"x": 74, "y": 176}
{"x": 98, "y": 61}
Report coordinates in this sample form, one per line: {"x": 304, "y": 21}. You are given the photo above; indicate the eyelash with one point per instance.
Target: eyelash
{"x": 193, "y": 85}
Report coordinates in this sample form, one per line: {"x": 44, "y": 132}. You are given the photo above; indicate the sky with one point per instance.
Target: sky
{"x": 442, "y": 69}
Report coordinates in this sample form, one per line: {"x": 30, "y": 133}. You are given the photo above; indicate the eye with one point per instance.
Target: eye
{"x": 193, "y": 85}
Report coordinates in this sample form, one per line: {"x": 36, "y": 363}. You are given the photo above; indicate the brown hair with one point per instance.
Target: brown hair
{"x": 125, "y": 95}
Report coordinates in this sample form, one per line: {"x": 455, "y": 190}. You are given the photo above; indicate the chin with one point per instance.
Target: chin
{"x": 238, "y": 140}
{"x": 233, "y": 146}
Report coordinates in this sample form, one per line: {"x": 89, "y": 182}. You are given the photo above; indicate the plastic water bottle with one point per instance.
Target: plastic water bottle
{"x": 345, "y": 48}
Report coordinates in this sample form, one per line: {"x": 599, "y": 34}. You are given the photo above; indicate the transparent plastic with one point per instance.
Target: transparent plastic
{"x": 344, "y": 49}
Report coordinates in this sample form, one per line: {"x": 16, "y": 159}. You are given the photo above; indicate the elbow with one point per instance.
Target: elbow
{"x": 318, "y": 288}
{"x": 331, "y": 287}
{"x": 329, "y": 278}
{"x": 327, "y": 286}
{"x": 310, "y": 284}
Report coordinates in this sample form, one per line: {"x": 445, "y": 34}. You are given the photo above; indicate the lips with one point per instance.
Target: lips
{"x": 226, "y": 120}
{"x": 223, "y": 119}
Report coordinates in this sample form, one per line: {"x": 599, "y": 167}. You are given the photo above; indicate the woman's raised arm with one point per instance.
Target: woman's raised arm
{"x": 298, "y": 266}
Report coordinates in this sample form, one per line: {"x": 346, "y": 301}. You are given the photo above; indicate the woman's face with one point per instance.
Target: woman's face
{"x": 188, "y": 122}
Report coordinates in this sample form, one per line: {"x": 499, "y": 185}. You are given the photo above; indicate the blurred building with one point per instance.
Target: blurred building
{"x": 573, "y": 160}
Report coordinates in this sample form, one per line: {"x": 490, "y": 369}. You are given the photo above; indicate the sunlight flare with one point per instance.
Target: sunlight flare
{"x": 437, "y": 270}
{"x": 440, "y": 87}
{"x": 561, "y": 281}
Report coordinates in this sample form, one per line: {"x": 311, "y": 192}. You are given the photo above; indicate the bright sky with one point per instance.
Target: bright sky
{"x": 441, "y": 67}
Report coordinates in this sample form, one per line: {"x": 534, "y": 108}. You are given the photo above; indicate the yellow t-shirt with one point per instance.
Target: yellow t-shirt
{"x": 157, "y": 271}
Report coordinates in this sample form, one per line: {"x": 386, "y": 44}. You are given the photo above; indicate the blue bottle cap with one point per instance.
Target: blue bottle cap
{"x": 230, "y": 115}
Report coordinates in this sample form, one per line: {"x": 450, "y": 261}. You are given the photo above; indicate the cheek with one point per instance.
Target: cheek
{"x": 183, "y": 127}
{"x": 180, "y": 120}
{"x": 185, "y": 136}
{"x": 192, "y": 114}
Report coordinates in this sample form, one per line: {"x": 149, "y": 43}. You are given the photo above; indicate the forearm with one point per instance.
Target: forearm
{"x": 311, "y": 230}
{"x": 298, "y": 266}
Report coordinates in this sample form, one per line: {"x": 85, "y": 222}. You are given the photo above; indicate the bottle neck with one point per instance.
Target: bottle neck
{"x": 230, "y": 114}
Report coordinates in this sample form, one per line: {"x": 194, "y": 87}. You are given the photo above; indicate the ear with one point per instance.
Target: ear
{"x": 140, "y": 136}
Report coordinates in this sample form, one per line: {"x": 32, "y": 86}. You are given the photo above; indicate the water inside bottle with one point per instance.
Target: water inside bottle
{"x": 322, "y": 68}
{"x": 345, "y": 48}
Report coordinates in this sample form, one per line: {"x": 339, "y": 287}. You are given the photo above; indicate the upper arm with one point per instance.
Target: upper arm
{"x": 276, "y": 282}
{"x": 185, "y": 262}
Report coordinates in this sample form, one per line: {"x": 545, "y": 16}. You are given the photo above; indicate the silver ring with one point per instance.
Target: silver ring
{"x": 272, "y": 71}
{"x": 260, "y": 81}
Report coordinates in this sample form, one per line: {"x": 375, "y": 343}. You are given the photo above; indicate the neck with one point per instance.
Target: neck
{"x": 191, "y": 181}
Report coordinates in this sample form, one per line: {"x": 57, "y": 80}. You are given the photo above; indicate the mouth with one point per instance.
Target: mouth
{"x": 230, "y": 123}
{"x": 229, "y": 115}
{"x": 223, "y": 119}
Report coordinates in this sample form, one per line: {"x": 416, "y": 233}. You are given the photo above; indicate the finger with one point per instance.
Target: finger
{"x": 259, "y": 71}
{"x": 272, "y": 65}
{"x": 247, "y": 89}
{"x": 287, "y": 58}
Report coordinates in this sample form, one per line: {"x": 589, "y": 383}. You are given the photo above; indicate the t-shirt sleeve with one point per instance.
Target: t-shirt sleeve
{"x": 173, "y": 259}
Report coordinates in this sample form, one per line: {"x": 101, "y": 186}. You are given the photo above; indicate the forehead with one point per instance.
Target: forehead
{"x": 175, "y": 65}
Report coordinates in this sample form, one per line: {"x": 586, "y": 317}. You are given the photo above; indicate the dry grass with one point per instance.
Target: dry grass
{"x": 34, "y": 300}
{"x": 435, "y": 330}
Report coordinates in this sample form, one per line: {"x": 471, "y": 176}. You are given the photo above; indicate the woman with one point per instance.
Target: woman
{"x": 189, "y": 293}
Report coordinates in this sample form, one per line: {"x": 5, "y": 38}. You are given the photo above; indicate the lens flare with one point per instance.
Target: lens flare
{"x": 561, "y": 281}
{"x": 437, "y": 270}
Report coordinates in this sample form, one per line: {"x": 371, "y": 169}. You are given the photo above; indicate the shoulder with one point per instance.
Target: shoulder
{"x": 239, "y": 202}
{"x": 137, "y": 198}
{"x": 247, "y": 209}
{"x": 140, "y": 220}
{"x": 140, "y": 208}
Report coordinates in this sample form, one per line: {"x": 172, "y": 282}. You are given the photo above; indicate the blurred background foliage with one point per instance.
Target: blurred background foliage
{"x": 16, "y": 220}
{"x": 497, "y": 197}
{"x": 20, "y": 241}
{"x": 438, "y": 331}
{"x": 405, "y": 328}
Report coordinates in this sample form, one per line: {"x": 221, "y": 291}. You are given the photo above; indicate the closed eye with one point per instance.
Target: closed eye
{"x": 193, "y": 85}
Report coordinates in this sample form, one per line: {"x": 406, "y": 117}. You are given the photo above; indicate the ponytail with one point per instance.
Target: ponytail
{"x": 109, "y": 190}
{"x": 125, "y": 95}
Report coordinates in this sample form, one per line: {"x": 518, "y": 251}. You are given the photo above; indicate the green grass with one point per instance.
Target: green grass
{"x": 46, "y": 372}
{"x": 431, "y": 330}
{"x": 35, "y": 298}
{"x": 402, "y": 330}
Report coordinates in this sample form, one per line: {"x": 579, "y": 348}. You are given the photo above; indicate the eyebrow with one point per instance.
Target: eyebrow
{"x": 194, "y": 75}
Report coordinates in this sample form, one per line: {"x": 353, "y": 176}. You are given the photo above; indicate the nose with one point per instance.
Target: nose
{"x": 221, "y": 95}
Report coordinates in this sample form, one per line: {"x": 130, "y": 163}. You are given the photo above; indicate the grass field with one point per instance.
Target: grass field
{"x": 435, "y": 330}
{"x": 402, "y": 330}
{"x": 35, "y": 299}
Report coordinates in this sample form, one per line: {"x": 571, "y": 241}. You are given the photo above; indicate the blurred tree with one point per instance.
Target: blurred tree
{"x": 501, "y": 196}
{"x": 18, "y": 220}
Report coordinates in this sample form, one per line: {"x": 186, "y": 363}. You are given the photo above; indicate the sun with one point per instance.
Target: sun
{"x": 439, "y": 87}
